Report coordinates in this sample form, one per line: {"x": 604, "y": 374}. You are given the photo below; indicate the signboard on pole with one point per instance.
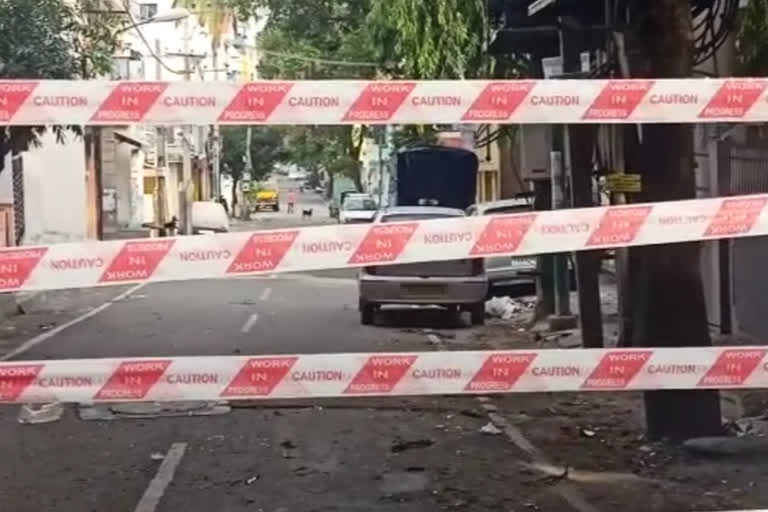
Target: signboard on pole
{"x": 624, "y": 183}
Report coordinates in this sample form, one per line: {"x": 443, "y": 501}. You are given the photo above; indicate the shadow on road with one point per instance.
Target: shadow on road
{"x": 421, "y": 318}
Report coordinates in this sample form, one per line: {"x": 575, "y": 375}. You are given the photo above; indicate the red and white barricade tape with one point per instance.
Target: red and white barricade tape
{"x": 342, "y": 375}
{"x": 31, "y": 102}
{"x": 91, "y": 264}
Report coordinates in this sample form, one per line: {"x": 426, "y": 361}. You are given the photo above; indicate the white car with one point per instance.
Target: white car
{"x": 358, "y": 208}
{"x": 507, "y": 270}
{"x": 209, "y": 217}
{"x": 459, "y": 285}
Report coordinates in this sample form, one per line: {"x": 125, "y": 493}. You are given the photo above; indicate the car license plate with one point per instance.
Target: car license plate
{"x": 424, "y": 290}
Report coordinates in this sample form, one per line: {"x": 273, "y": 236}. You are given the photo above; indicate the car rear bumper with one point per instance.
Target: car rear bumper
{"x": 417, "y": 290}
{"x": 511, "y": 275}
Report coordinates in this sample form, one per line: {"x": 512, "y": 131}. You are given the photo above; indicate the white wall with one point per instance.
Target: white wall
{"x": 55, "y": 208}
{"x": 6, "y": 182}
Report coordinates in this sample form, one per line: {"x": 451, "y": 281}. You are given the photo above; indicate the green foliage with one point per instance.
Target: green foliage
{"x": 333, "y": 149}
{"x": 752, "y": 39}
{"x": 266, "y": 151}
{"x": 51, "y": 39}
{"x": 432, "y": 39}
{"x": 319, "y": 40}
{"x": 334, "y": 39}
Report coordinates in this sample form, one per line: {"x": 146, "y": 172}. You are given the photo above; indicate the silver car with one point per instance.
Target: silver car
{"x": 507, "y": 270}
{"x": 460, "y": 285}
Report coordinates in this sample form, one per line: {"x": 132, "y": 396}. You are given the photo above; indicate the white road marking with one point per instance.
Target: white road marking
{"x": 265, "y": 294}
{"x": 151, "y": 498}
{"x": 248, "y": 325}
{"x": 29, "y": 344}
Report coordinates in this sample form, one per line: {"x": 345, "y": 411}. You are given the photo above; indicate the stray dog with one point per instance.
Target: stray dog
{"x": 306, "y": 214}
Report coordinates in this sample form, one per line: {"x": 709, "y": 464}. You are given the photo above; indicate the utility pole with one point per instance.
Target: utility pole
{"x": 185, "y": 194}
{"x": 186, "y": 170}
{"x": 380, "y": 140}
{"x": 562, "y": 319}
{"x": 216, "y": 142}
{"x": 579, "y": 146}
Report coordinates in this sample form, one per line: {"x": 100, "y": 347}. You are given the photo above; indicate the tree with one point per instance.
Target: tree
{"x": 752, "y": 41}
{"x": 320, "y": 40}
{"x": 51, "y": 39}
{"x": 266, "y": 150}
{"x": 669, "y": 308}
{"x": 431, "y": 40}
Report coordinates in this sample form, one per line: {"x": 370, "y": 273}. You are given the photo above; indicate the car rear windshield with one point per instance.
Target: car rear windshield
{"x": 451, "y": 268}
{"x": 353, "y": 204}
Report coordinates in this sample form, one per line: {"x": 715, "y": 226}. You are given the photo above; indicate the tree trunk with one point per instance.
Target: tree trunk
{"x": 235, "y": 183}
{"x": 248, "y": 155}
{"x": 670, "y": 308}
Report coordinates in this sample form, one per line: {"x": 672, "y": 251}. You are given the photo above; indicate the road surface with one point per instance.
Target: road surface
{"x": 384, "y": 454}
{"x": 381, "y": 455}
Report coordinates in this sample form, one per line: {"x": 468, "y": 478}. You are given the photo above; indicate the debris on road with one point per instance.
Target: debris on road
{"x": 35, "y": 415}
{"x": 288, "y": 449}
{"x": 754, "y": 426}
{"x": 587, "y": 432}
{"x": 245, "y": 302}
{"x": 157, "y": 456}
{"x": 399, "y": 445}
{"x": 491, "y": 430}
{"x": 252, "y": 479}
{"x": 444, "y": 335}
{"x": 507, "y": 307}
{"x": 149, "y": 410}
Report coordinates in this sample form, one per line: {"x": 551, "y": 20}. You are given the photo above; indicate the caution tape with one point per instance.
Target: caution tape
{"x": 90, "y": 264}
{"x": 342, "y": 375}
{"x": 32, "y": 102}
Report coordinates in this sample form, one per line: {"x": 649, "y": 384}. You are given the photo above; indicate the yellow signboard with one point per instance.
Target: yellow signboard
{"x": 626, "y": 183}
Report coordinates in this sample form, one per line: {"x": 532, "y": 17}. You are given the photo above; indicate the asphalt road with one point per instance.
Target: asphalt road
{"x": 346, "y": 455}
{"x": 374, "y": 455}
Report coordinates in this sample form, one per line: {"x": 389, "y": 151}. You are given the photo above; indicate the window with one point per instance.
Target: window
{"x": 147, "y": 11}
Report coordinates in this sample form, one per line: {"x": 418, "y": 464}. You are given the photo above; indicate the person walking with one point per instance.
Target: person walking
{"x": 291, "y": 200}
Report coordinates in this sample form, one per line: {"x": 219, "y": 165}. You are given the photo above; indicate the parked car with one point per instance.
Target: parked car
{"x": 460, "y": 285}
{"x": 512, "y": 271}
{"x": 209, "y": 217}
{"x": 357, "y": 208}
{"x": 507, "y": 270}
